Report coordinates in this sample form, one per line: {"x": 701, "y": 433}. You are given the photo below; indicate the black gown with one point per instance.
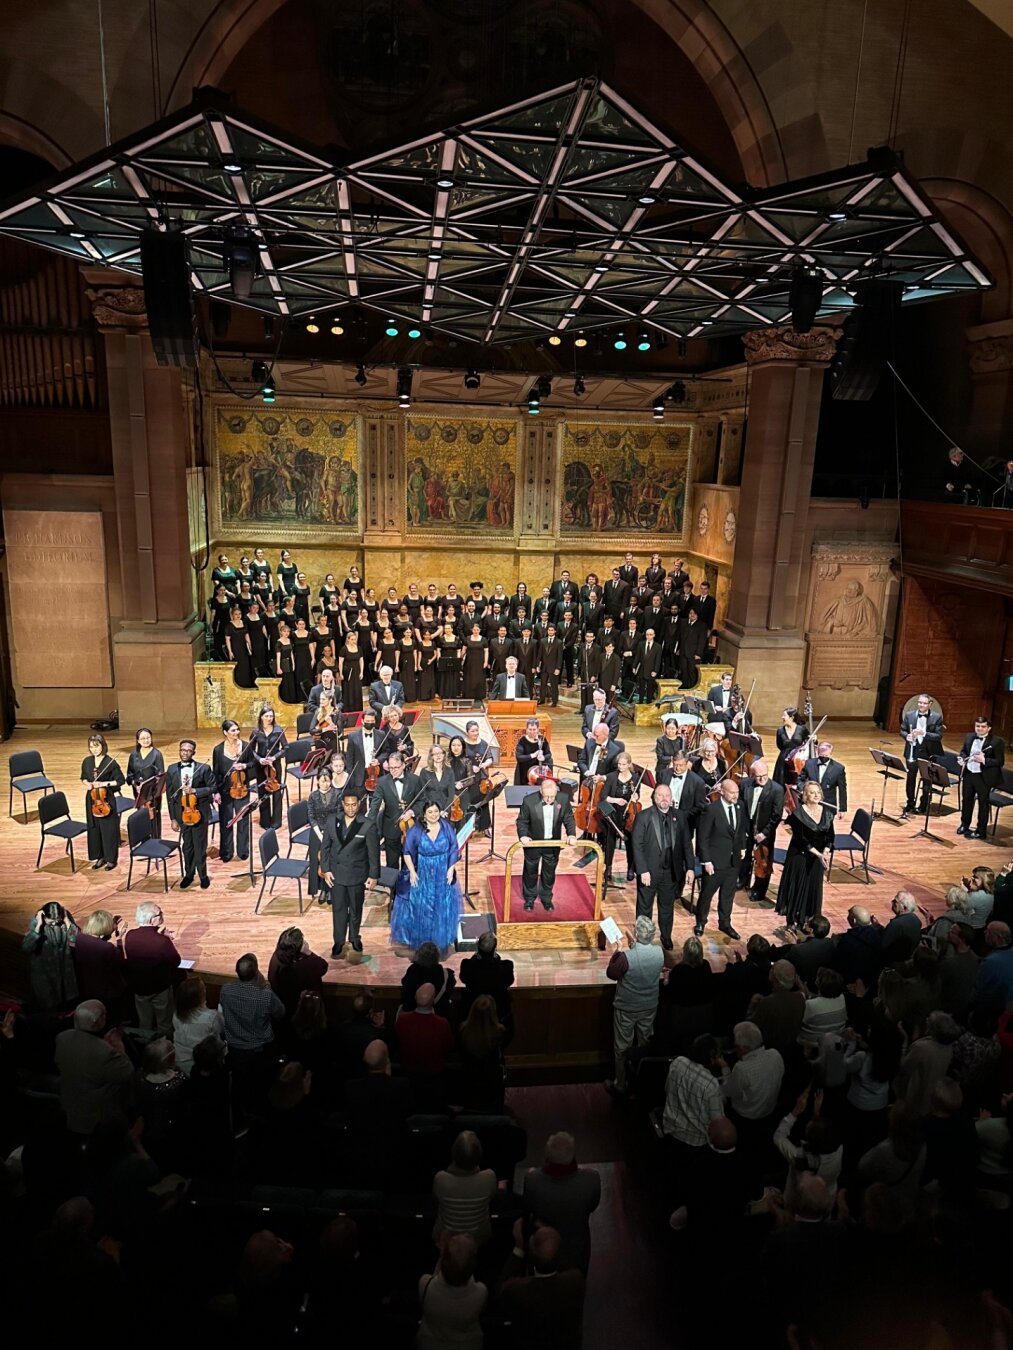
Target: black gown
{"x": 103, "y": 831}
{"x": 709, "y": 780}
{"x": 473, "y": 675}
{"x": 272, "y": 745}
{"x": 303, "y": 664}
{"x": 785, "y": 747}
{"x": 288, "y": 691}
{"x": 406, "y": 672}
{"x": 351, "y": 679}
{"x": 220, "y": 617}
{"x": 286, "y": 574}
{"x": 426, "y": 690}
{"x": 321, "y": 642}
{"x": 448, "y": 668}
{"x": 303, "y": 596}
{"x": 237, "y": 638}
{"x": 140, "y": 767}
{"x": 608, "y": 838}
{"x": 800, "y": 894}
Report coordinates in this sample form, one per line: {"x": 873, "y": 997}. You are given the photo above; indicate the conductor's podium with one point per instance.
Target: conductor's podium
{"x": 573, "y": 922}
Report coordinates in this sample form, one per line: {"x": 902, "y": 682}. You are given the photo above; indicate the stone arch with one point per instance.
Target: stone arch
{"x": 23, "y": 135}
{"x": 986, "y": 227}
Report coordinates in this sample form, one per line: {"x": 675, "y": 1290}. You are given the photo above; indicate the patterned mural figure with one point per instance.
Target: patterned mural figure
{"x": 620, "y": 478}
{"x": 286, "y": 467}
{"x": 461, "y": 475}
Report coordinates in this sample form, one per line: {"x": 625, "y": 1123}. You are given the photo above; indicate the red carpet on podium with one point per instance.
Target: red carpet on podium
{"x": 572, "y": 898}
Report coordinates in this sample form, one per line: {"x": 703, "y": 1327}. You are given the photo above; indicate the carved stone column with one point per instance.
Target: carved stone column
{"x": 990, "y": 356}
{"x": 763, "y": 630}
{"x": 153, "y": 650}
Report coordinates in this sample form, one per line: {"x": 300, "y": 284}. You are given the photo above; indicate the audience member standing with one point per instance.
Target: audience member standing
{"x": 152, "y": 962}
{"x": 563, "y": 1196}
{"x": 637, "y": 972}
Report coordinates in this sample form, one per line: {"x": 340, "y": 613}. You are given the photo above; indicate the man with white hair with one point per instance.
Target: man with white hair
{"x": 637, "y": 972}
{"x": 325, "y": 685}
{"x": 751, "y": 1085}
{"x": 386, "y": 692}
{"x": 511, "y": 683}
{"x": 151, "y": 966}
{"x": 902, "y": 934}
{"x": 563, "y": 1196}
{"x": 95, "y": 1073}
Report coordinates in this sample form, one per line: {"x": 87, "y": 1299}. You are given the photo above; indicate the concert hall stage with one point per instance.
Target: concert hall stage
{"x": 563, "y": 1000}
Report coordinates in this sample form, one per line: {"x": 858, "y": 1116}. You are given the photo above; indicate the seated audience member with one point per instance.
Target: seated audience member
{"x": 563, "y": 1196}
{"x": 901, "y": 935}
{"x": 542, "y": 1304}
{"x": 193, "y": 1021}
{"x": 480, "y": 1043}
{"x": 96, "y": 1077}
{"x": 294, "y": 967}
{"x": 826, "y": 1010}
{"x": 487, "y": 973}
{"x": 958, "y": 910}
{"x": 426, "y": 969}
{"x": 250, "y": 1008}
{"x": 452, "y": 1300}
{"x": 152, "y": 963}
{"x": 464, "y": 1192}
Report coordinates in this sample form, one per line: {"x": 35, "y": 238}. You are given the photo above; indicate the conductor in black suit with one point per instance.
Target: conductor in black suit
{"x": 511, "y": 684}
{"x": 349, "y": 867}
{"x": 664, "y": 852}
{"x": 188, "y": 775}
{"x": 395, "y": 797}
{"x": 763, "y": 803}
{"x": 922, "y": 730}
{"x": 721, "y": 844}
{"x": 830, "y": 774}
{"x": 543, "y": 816}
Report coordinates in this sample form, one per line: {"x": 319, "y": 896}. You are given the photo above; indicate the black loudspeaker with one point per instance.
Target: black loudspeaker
{"x": 167, "y": 297}
{"x": 867, "y": 341}
{"x": 472, "y": 928}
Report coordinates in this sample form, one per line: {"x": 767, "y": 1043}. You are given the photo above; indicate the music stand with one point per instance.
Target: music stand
{"x": 700, "y": 706}
{"x": 251, "y": 809}
{"x": 490, "y": 801}
{"x": 150, "y": 794}
{"x": 935, "y": 778}
{"x": 745, "y": 743}
{"x": 890, "y": 767}
{"x": 464, "y": 837}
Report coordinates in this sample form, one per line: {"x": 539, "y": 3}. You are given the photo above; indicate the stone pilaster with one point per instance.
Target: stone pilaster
{"x": 990, "y": 357}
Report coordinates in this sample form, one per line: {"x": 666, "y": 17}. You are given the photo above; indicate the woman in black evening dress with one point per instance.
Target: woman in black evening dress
{"x": 800, "y": 894}
{"x": 791, "y": 734}
{"x": 406, "y": 671}
{"x": 220, "y": 607}
{"x": 100, "y": 769}
{"x": 237, "y": 645}
{"x": 146, "y": 761}
{"x": 268, "y": 746}
{"x": 476, "y": 658}
{"x": 324, "y": 805}
{"x": 448, "y": 667}
{"x": 428, "y": 656}
{"x": 302, "y": 643}
{"x": 303, "y": 595}
{"x": 350, "y": 661}
{"x": 285, "y": 658}
{"x": 286, "y": 572}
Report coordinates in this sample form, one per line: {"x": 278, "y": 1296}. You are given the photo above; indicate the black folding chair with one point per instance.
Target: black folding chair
{"x": 1000, "y": 797}
{"x": 145, "y": 847}
{"x": 294, "y": 756}
{"x": 27, "y": 775}
{"x": 54, "y": 817}
{"x": 273, "y": 867}
{"x": 299, "y": 828}
{"x": 856, "y": 841}
{"x": 303, "y": 723}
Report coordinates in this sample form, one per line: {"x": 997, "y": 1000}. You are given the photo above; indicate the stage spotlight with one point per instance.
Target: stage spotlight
{"x": 643, "y": 341}
{"x": 240, "y": 257}
{"x": 361, "y": 377}
{"x": 647, "y": 199}
{"x": 619, "y": 341}
{"x": 534, "y": 403}
{"x": 472, "y": 379}
{"x": 445, "y": 181}
{"x": 804, "y": 297}
{"x": 544, "y": 386}
{"x": 555, "y": 340}
{"x": 580, "y": 340}
{"x": 677, "y": 392}
{"x": 232, "y": 166}
{"x": 392, "y": 328}
{"x": 579, "y": 388}
{"x": 658, "y": 408}
{"x": 267, "y": 395}
{"x": 311, "y": 324}
{"x": 404, "y": 387}
{"x": 414, "y": 332}
{"x": 337, "y": 328}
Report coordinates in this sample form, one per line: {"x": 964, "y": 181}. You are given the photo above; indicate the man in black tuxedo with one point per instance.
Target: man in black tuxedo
{"x": 511, "y": 684}
{"x": 629, "y": 572}
{"x": 395, "y": 799}
{"x": 982, "y": 757}
{"x": 615, "y": 593}
{"x": 499, "y": 649}
{"x": 545, "y": 604}
{"x": 706, "y": 605}
{"x": 599, "y": 754}
{"x": 679, "y": 576}
{"x": 349, "y": 866}
{"x": 596, "y": 711}
{"x": 187, "y": 775}
{"x": 326, "y": 685}
{"x": 543, "y": 816}
{"x": 719, "y": 696}
{"x": 663, "y": 849}
{"x": 692, "y": 646}
{"x": 589, "y": 659}
{"x": 763, "y": 803}
{"x": 689, "y": 792}
{"x": 830, "y": 774}
{"x": 564, "y": 592}
{"x": 649, "y": 658}
{"x": 656, "y": 617}
{"x": 386, "y": 692}
{"x": 922, "y": 730}
{"x": 365, "y": 744}
{"x": 569, "y": 635}
{"x": 721, "y": 844}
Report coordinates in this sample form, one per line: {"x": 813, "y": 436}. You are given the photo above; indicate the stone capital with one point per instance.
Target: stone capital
{"x": 782, "y": 343}
{"x": 990, "y": 347}
{"x": 117, "y": 300}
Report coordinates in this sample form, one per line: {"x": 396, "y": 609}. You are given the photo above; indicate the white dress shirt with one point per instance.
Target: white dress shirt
{"x": 511, "y": 686}
{"x": 972, "y": 764}
{"x": 548, "y": 811}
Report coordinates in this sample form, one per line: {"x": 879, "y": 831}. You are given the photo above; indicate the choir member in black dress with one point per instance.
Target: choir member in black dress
{"x": 335, "y": 621}
{"x": 237, "y": 647}
{"x": 407, "y": 667}
{"x": 220, "y": 611}
{"x": 257, "y": 635}
{"x": 475, "y": 652}
{"x": 245, "y": 597}
{"x": 245, "y": 575}
{"x": 550, "y": 658}
{"x": 622, "y": 786}
{"x": 448, "y": 666}
{"x": 323, "y": 646}
{"x": 302, "y": 648}
{"x": 260, "y": 567}
{"x": 269, "y": 745}
{"x": 284, "y": 657}
{"x": 531, "y": 751}
{"x": 324, "y": 803}
{"x": 224, "y": 575}
{"x": 350, "y": 670}
{"x": 99, "y": 771}
{"x": 427, "y": 658}
{"x": 386, "y": 652}
{"x": 668, "y": 745}
{"x": 270, "y": 614}
{"x": 231, "y": 765}
{"x": 328, "y": 591}
{"x": 286, "y": 572}
{"x": 438, "y": 778}
{"x": 800, "y": 894}
{"x": 146, "y": 762}
{"x": 188, "y": 776}
{"x": 709, "y": 765}
{"x": 792, "y": 734}
{"x": 353, "y": 583}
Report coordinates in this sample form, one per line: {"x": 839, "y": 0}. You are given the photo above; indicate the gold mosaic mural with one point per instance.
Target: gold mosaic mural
{"x": 622, "y": 479}
{"x": 461, "y": 475}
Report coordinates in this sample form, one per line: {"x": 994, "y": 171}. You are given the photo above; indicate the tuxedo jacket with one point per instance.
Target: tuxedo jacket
{"x": 648, "y": 844}
{"x": 706, "y": 607}
{"x": 355, "y": 755}
{"x": 531, "y": 823}
{"x": 386, "y": 695}
{"x": 498, "y": 653}
{"x": 994, "y": 749}
{"x": 606, "y": 761}
{"x": 716, "y": 842}
{"x": 650, "y": 661}
{"x": 630, "y": 573}
{"x": 770, "y": 811}
{"x": 353, "y": 859}
{"x": 693, "y": 796}
{"x": 588, "y": 659}
{"x": 568, "y": 634}
{"x": 385, "y": 809}
{"x": 610, "y": 717}
{"x": 932, "y": 741}
{"x": 551, "y": 656}
{"x": 659, "y": 620}
{"x": 204, "y": 787}
{"x": 614, "y": 596}
{"x": 835, "y": 781}
{"x": 313, "y": 702}
{"x": 693, "y": 638}
{"x": 499, "y": 686}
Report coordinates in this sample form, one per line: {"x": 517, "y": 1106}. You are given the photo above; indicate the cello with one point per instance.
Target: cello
{"x": 586, "y": 813}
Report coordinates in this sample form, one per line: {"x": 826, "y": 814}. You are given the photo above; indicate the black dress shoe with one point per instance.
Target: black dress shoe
{"x": 187, "y": 881}
{"x": 356, "y": 946}
{"x": 547, "y": 904}
{"x": 337, "y": 953}
{"x": 205, "y": 882}
{"x": 961, "y": 829}
{"x": 972, "y": 834}
{"x": 529, "y": 904}
{"x": 729, "y": 932}
{"x": 753, "y": 896}
{"x": 667, "y": 944}
{"x": 630, "y": 876}
{"x": 698, "y": 930}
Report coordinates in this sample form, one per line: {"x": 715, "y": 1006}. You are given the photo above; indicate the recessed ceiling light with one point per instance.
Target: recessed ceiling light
{"x": 337, "y": 328}
{"x": 444, "y": 181}
{"x": 311, "y": 324}
{"x": 392, "y": 328}
{"x": 232, "y": 166}
{"x": 555, "y": 340}
{"x": 647, "y": 199}
{"x": 580, "y": 340}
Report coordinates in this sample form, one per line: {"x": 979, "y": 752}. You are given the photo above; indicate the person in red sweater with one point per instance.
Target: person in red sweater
{"x": 151, "y": 968}
{"x": 425, "y": 1041}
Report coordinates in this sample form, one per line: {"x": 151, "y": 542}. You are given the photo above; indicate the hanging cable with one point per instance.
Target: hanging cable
{"x": 102, "y": 66}
{"x": 156, "y": 62}
{"x": 898, "y": 77}
{"x": 858, "y": 79}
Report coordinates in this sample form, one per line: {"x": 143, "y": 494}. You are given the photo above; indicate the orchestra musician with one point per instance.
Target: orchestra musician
{"x": 663, "y": 850}
{"x": 103, "y": 776}
{"x": 438, "y": 778}
{"x": 981, "y": 758}
{"x": 323, "y": 806}
{"x": 190, "y": 776}
{"x": 791, "y": 735}
{"x": 364, "y": 743}
{"x": 689, "y": 796}
{"x": 269, "y": 746}
{"x": 597, "y": 711}
{"x": 230, "y": 764}
{"x": 721, "y": 844}
{"x": 386, "y": 692}
{"x": 145, "y": 763}
{"x": 326, "y": 685}
{"x": 394, "y": 801}
{"x": 763, "y": 803}
{"x": 543, "y": 815}
{"x": 598, "y": 757}
{"x": 480, "y": 757}
{"x": 531, "y": 751}
{"x": 622, "y": 786}
{"x": 399, "y": 738}
{"x": 922, "y": 730}
{"x": 830, "y": 774}
{"x": 709, "y": 765}
{"x": 669, "y": 744}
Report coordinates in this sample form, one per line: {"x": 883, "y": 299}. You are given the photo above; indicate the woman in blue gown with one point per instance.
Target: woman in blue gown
{"x": 427, "y": 900}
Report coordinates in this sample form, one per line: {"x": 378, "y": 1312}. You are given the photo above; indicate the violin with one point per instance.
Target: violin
{"x": 190, "y": 809}
{"x": 237, "y": 783}
{"x": 99, "y": 805}
{"x": 763, "y": 861}
{"x": 490, "y": 782}
{"x": 270, "y": 782}
{"x": 586, "y": 813}
{"x": 455, "y": 813}
{"x": 632, "y": 811}
{"x": 372, "y": 776}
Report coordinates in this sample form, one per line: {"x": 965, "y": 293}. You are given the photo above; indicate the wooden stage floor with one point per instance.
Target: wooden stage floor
{"x": 214, "y": 927}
